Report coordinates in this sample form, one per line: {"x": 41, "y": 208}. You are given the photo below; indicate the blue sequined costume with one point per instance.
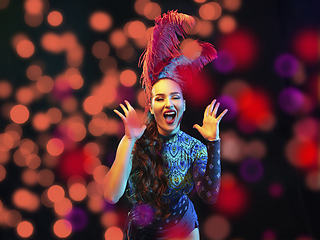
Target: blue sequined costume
{"x": 187, "y": 163}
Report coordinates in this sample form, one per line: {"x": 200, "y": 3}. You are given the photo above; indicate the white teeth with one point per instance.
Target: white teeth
{"x": 169, "y": 116}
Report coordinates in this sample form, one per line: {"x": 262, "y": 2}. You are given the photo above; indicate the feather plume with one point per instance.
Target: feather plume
{"x": 163, "y": 46}
{"x": 182, "y": 69}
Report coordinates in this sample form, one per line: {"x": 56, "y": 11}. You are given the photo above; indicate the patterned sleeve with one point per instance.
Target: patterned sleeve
{"x": 207, "y": 172}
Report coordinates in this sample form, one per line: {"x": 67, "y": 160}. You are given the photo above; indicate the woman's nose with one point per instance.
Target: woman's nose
{"x": 168, "y": 103}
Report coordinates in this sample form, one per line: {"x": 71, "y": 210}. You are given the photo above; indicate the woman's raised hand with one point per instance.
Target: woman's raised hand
{"x": 210, "y": 127}
{"x": 132, "y": 124}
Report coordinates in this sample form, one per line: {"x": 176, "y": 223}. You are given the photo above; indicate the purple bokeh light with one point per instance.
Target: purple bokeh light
{"x": 78, "y": 219}
{"x": 290, "y": 100}
{"x": 62, "y": 90}
{"x": 225, "y": 62}
{"x": 229, "y": 103}
{"x": 251, "y": 170}
{"x": 276, "y": 190}
{"x": 269, "y": 235}
{"x": 286, "y": 65}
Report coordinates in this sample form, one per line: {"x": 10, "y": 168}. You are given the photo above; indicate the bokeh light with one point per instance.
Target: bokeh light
{"x": 135, "y": 29}
{"x": 51, "y": 42}
{"x": 77, "y": 192}
{"x": 78, "y": 219}
{"x": 113, "y": 233}
{"x": 62, "y": 228}
{"x": 100, "y": 21}
{"x": 5, "y": 89}
{"x": 34, "y": 6}
{"x": 92, "y": 105}
{"x": 286, "y": 65}
{"x": 4, "y": 4}
{"x": 190, "y": 48}
{"x": 227, "y": 24}
{"x": 25, "y": 48}
{"x": 91, "y": 149}
{"x": 206, "y": 28}
{"x": 26, "y": 200}
{"x": 76, "y": 131}
{"x": 210, "y": 11}
{"x": 251, "y": 170}
{"x": 232, "y": 5}
{"x": 34, "y": 72}
{"x": 152, "y": 10}
{"x": 96, "y": 205}
{"x": 233, "y": 198}
{"x": 55, "y": 147}
{"x": 56, "y": 193}
{"x": 24, "y": 95}
{"x": 291, "y": 100}
{"x": 63, "y": 207}
{"x": 99, "y": 173}
{"x": 100, "y": 49}
{"x": 109, "y": 219}
{"x": 95, "y": 191}
{"x": 139, "y": 6}
{"x": 29, "y": 177}
{"x": 269, "y": 235}
{"x": 306, "y": 128}
{"x": 19, "y": 114}
{"x": 45, "y": 84}
{"x": 217, "y": 227}
{"x": 55, "y": 18}
{"x": 243, "y": 46}
{"x": 2, "y": 173}
{"x": 33, "y": 20}
{"x": 306, "y": 45}
{"x": 232, "y": 147}
{"x": 302, "y": 154}
{"x": 40, "y": 121}
{"x": 276, "y": 190}
{"x": 45, "y": 177}
{"x": 13, "y": 218}
{"x": 312, "y": 180}
{"x": 25, "y": 229}
{"x": 128, "y": 78}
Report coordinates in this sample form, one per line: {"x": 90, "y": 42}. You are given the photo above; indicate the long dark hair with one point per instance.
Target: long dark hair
{"x": 147, "y": 170}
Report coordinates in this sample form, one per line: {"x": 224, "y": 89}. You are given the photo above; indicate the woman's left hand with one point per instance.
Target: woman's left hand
{"x": 210, "y": 127}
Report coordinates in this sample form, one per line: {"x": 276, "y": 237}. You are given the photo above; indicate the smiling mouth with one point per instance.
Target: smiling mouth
{"x": 169, "y": 117}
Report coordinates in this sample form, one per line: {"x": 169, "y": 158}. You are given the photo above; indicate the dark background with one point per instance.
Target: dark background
{"x": 292, "y": 216}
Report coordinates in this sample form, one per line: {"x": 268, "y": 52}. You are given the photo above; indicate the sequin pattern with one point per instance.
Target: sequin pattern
{"x": 187, "y": 163}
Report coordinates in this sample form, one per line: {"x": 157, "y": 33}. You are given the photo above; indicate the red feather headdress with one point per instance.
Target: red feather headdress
{"x": 162, "y": 58}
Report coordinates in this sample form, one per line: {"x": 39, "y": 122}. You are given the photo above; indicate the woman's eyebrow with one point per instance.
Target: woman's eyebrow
{"x": 162, "y": 94}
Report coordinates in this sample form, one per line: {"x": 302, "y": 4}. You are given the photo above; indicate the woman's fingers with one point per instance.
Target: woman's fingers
{"x": 130, "y": 108}
{"x": 124, "y": 109}
{"x": 215, "y": 110}
{"x": 120, "y": 115}
{"x": 222, "y": 114}
{"x": 211, "y": 106}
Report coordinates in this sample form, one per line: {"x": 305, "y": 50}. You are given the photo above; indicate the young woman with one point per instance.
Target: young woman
{"x": 157, "y": 164}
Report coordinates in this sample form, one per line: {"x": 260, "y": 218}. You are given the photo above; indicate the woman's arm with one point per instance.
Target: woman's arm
{"x": 207, "y": 172}
{"x": 116, "y": 179}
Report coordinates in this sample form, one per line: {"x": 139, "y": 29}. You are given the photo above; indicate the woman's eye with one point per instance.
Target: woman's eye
{"x": 159, "y": 99}
{"x": 176, "y": 97}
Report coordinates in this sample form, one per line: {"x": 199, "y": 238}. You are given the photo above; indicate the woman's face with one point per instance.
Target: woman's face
{"x": 167, "y": 106}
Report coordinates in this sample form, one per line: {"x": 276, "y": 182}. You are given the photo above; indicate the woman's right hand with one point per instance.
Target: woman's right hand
{"x": 133, "y": 128}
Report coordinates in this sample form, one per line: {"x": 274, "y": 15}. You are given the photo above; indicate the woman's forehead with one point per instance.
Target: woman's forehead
{"x": 166, "y": 86}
